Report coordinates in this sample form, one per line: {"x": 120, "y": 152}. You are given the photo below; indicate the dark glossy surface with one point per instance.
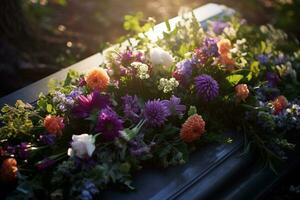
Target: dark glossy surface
{"x": 175, "y": 181}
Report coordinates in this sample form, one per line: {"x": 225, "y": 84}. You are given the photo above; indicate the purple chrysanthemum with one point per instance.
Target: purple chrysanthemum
{"x": 219, "y": 26}
{"x": 155, "y": 113}
{"x": 174, "y": 106}
{"x": 183, "y": 71}
{"x": 86, "y": 104}
{"x": 131, "y": 107}
{"x": 206, "y": 87}
{"x": 109, "y": 124}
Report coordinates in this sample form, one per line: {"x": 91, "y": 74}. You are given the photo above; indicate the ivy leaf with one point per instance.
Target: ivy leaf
{"x": 234, "y": 79}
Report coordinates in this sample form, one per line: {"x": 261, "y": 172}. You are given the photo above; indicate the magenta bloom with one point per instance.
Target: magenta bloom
{"x": 206, "y": 87}
{"x": 86, "y": 104}
{"x": 174, "y": 106}
{"x": 109, "y": 124}
{"x": 155, "y": 113}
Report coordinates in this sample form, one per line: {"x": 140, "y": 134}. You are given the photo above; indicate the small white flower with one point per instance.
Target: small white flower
{"x": 158, "y": 56}
{"x": 167, "y": 85}
{"x": 230, "y": 32}
{"x": 82, "y": 146}
{"x": 142, "y": 70}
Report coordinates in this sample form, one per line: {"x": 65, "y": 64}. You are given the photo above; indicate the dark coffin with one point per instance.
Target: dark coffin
{"x": 216, "y": 171}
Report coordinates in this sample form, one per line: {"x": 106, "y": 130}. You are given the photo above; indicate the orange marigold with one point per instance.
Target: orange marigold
{"x": 224, "y": 46}
{"x": 241, "y": 92}
{"x": 192, "y": 128}
{"x": 279, "y": 104}
{"x": 9, "y": 170}
{"x": 97, "y": 79}
{"x": 54, "y": 124}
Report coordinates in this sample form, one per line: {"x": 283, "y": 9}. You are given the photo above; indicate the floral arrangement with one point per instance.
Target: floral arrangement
{"x": 151, "y": 104}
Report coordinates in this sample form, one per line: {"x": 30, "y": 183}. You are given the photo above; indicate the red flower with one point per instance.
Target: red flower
{"x": 241, "y": 92}
{"x": 9, "y": 170}
{"x": 193, "y": 128}
{"x": 279, "y": 104}
{"x": 54, "y": 124}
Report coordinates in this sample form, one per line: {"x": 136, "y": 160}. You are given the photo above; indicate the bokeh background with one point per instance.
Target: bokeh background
{"x": 39, "y": 37}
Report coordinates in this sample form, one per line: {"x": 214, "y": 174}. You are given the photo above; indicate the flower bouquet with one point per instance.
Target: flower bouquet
{"x": 151, "y": 103}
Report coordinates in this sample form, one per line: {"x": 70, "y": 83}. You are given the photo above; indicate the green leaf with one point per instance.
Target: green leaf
{"x": 234, "y": 79}
{"x": 52, "y": 85}
{"x": 49, "y": 108}
{"x": 192, "y": 110}
{"x": 254, "y": 68}
{"x": 168, "y": 25}
{"x": 164, "y": 151}
{"x": 249, "y": 76}
{"x": 125, "y": 167}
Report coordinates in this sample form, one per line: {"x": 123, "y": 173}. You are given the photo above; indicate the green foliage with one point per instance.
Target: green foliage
{"x": 254, "y": 68}
{"x": 133, "y": 23}
{"x": 192, "y": 110}
{"x": 17, "y": 121}
{"x": 171, "y": 150}
{"x": 234, "y": 79}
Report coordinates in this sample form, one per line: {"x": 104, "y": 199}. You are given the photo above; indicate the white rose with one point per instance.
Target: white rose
{"x": 82, "y": 146}
{"x": 158, "y": 56}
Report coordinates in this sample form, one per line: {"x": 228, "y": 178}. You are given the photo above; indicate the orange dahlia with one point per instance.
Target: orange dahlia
{"x": 226, "y": 59}
{"x": 241, "y": 92}
{"x": 54, "y": 124}
{"x": 9, "y": 170}
{"x": 224, "y": 46}
{"x": 192, "y": 128}
{"x": 279, "y": 104}
{"x": 97, "y": 79}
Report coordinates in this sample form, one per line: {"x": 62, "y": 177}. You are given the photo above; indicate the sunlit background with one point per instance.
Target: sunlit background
{"x": 39, "y": 37}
